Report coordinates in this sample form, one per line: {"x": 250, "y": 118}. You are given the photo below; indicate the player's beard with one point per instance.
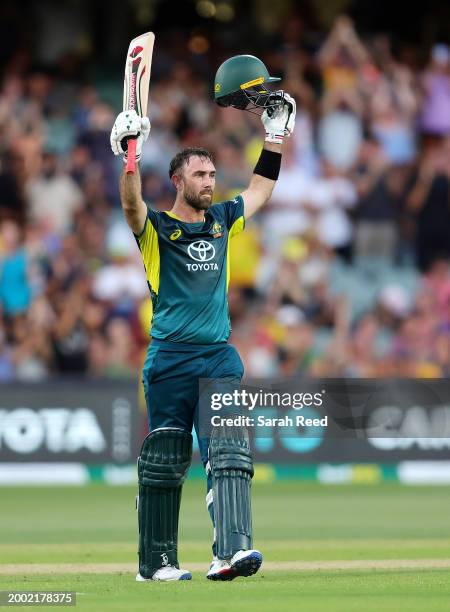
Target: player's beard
{"x": 198, "y": 201}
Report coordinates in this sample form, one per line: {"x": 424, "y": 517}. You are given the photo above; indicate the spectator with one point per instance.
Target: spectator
{"x": 53, "y": 196}
{"x": 15, "y": 293}
{"x": 429, "y": 200}
{"x": 435, "y": 116}
{"x": 69, "y": 333}
{"x": 375, "y": 228}
{"x": 329, "y": 199}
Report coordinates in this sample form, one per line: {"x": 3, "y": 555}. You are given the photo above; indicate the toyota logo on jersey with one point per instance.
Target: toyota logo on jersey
{"x": 202, "y": 252}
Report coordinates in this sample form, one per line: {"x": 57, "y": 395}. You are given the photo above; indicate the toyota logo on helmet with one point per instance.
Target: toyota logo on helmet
{"x": 201, "y": 251}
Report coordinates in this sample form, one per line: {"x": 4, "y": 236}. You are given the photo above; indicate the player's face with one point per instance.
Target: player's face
{"x": 198, "y": 182}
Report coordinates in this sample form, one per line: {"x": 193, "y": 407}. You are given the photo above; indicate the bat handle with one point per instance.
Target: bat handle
{"x": 131, "y": 156}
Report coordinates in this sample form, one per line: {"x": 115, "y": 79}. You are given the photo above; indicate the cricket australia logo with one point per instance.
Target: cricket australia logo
{"x": 202, "y": 252}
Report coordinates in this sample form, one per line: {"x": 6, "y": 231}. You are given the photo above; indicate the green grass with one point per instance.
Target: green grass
{"x": 293, "y": 521}
{"x": 330, "y": 591}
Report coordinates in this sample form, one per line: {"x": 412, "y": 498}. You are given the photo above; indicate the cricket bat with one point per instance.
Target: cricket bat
{"x": 136, "y": 84}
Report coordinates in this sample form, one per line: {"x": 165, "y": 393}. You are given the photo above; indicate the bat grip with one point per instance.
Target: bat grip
{"x": 131, "y": 156}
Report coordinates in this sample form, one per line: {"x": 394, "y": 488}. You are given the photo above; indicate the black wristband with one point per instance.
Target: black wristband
{"x": 268, "y": 165}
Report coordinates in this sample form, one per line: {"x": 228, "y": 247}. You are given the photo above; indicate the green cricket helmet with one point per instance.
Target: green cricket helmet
{"x": 241, "y": 82}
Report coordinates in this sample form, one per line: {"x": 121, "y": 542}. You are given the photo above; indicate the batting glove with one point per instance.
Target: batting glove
{"x": 279, "y": 121}
{"x": 129, "y": 125}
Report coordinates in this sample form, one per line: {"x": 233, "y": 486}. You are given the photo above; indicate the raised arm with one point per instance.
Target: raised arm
{"x": 422, "y": 185}
{"x": 278, "y": 124}
{"x": 343, "y": 36}
{"x": 128, "y": 125}
{"x": 134, "y": 207}
{"x": 260, "y": 187}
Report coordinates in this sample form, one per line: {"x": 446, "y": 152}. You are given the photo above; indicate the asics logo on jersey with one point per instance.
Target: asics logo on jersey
{"x": 175, "y": 235}
{"x": 201, "y": 251}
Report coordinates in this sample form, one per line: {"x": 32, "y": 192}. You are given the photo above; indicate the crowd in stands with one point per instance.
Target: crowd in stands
{"x": 344, "y": 273}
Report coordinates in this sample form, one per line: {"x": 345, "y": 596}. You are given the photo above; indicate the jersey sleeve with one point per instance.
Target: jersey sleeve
{"x": 152, "y": 218}
{"x": 234, "y": 215}
{"x": 149, "y": 246}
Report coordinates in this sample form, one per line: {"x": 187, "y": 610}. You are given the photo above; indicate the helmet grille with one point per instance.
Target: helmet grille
{"x": 254, "y": 99}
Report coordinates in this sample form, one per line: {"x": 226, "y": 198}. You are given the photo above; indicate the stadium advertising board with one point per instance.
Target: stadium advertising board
{"x": 69, "y": 421}
{"x": 98, "y": 422}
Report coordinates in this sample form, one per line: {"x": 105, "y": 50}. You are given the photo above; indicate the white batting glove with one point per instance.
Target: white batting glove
{"x": 279, "y": 122}
{"x": 129, "y": 124}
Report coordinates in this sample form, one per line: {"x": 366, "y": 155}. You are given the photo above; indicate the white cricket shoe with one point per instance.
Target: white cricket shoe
{"x": 166, "y": 574}
{"x": 220, "y": 569}
{"x": 243, "y": 563}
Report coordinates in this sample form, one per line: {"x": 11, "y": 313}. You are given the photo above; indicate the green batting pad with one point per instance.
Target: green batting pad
{"x": 162, "y": 468}
{"x": 231, "y": 468}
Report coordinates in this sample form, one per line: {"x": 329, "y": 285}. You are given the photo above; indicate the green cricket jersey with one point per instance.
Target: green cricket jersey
{"x": 188, "y": 271}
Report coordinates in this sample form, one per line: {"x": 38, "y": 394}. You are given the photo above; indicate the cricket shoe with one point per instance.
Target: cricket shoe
{"x": 220, "y": 569}
{"x": 243, "y": 563}
{"x": 166, "y": 574}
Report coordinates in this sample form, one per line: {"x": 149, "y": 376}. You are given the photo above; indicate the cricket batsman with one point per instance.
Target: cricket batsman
{"x": 185, "y": 252}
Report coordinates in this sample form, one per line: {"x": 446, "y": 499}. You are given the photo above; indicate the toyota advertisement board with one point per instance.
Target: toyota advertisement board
{"x": 70, "y": 421}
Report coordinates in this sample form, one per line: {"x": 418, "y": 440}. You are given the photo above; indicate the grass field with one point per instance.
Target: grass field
{"x": 383, "y": 547}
